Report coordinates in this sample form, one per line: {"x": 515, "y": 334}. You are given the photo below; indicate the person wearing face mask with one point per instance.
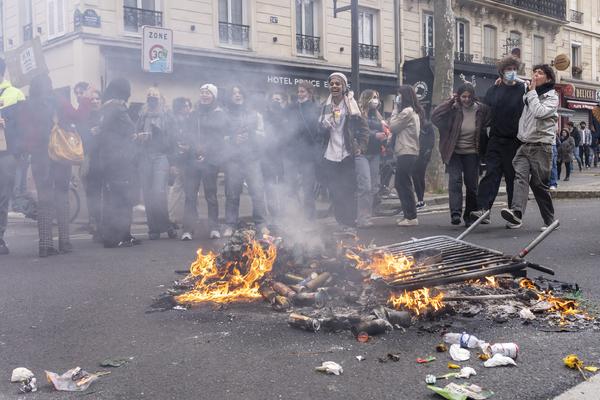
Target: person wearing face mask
{"x": 533, "y": 161}
{"x": 345, "y": 136}
{"x": 203, "y": 151}
{"x": 506, "y": 105}
{"x": 244, "y": 129}
{"x": 405, "y": 125}
{"x": 276, "y": 137}
{"x": 367, "y": 165}
{"x": 302, "y": 149}
{"x": 461, "y": 121}
{"x": 154, "y": 137}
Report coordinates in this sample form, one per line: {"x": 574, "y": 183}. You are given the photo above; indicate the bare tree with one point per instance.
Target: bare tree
{"x": 443, "y": 80}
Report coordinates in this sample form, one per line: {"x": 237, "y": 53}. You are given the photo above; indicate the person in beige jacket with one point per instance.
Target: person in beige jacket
{"x": 405, "y": 125}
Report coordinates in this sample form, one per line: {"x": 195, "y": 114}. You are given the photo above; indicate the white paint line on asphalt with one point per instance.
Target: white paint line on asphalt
{"x": 588, "y": 390}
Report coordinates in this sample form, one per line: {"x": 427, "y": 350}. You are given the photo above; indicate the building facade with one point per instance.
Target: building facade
{"x": 261, "y": 44}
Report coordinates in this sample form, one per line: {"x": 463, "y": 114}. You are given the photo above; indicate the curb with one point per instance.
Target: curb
{"x": 584, "y": 391}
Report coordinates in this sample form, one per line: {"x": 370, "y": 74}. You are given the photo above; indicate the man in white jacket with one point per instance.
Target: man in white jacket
{"x": 533, "y": 160}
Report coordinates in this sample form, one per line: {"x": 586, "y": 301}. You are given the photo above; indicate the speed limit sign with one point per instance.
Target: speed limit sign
{"x": 157, "y": 49}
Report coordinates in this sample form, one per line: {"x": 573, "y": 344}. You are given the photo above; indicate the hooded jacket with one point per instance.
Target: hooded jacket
{"x": 116, "y": 148}
{"x": 241, "y": 120}
{"x": 304, "y": 119}
{"x": 539, "y": 118}
{"x": 406, "y": 126}
{"x": 565, "y": 149}
{"x": 448, "y": 117}
{"x": 209, "y": 129}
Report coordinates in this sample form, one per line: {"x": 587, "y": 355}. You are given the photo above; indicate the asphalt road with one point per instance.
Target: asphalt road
{"x": 81, "y": 308}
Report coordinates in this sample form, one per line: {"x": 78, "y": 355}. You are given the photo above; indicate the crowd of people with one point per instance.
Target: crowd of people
{"x": 282, "y": 152}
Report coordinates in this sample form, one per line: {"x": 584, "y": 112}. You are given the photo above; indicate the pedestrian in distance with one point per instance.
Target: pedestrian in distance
{"x": 505, "y": 100}
{"x": 586, "y": 144}
{"x": 405, "y": 124}
{"x": 462, "y": 121}
{"x": 426, "y": 144}
{"x": 345, "y": 136}
{"x": 533, "y": 161}
{"x": 155, "y": 145}
{"x": 565, "y": 153}
{"x": 576, "y": 135}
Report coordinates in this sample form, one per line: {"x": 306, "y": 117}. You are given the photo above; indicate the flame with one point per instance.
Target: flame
{"x": 417, "y": 301}
{"x": 383, "y": 264}
{"x": 491, "y": 281}
{"x": 564, "y": 307}
{"x": 237, "y": 280}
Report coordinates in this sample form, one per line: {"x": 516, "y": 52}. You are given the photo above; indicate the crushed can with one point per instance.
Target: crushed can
{"x": 318, "y": 281}
{"x": 316, "y": 299}
{"x": 372, "y": 327}
{"x": 281, "y": 303}
{"x": 283, "y": 289}
{"x": 506, "y": 349}
{"x": 304, "y": 322}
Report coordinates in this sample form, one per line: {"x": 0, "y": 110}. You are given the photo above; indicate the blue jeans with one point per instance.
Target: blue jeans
{"x": 154, "y": 170}
{"x": 236, "y": 172}
{"x": 367, "y": 184}
{"x": 7, "y": 177}
{"x": 577, "y": 157}
{"x": 554, "y": 172}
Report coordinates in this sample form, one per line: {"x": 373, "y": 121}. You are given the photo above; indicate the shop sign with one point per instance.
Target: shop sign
{"x": 290, "y": 81}
{"x": 26, "y": 62}
{"x": 421, "y": 90}
{"x": 585, "y": 93}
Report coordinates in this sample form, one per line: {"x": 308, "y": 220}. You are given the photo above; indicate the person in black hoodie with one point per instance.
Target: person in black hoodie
{"x": 576, "y": 135}
{"x": 204, "y": 146}
{"x": 242, "y": 161}
{"x": 154, "y": 130}
{"x": 302, "y": 148}
{"x": 116, "y": 152}
{"x": 506, "y": 105}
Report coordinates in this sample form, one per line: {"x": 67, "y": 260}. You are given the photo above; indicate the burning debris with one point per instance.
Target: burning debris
{"x": 371, "y": 291}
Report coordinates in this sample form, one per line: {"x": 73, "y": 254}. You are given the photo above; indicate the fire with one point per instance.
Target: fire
{"x": 565, "y": 307}
{"x": 417, "y": 301}
{"x": 491, "y": 281}
{"x": 382, "y": 263}
{"x": 236, "y": 280}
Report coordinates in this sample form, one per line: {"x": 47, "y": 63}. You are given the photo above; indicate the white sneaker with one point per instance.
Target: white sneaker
{"x": 186, "y": 236}
{"x": 228, "y": 232}
{"x": 553, "y": 187}
{"x": 408, "y": 222}
{"x": 215, "y": 234}
{"x": 543, "y": 228}
{"x": 510, "y": 225}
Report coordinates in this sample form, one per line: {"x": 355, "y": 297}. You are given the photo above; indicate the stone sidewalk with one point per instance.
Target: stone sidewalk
{"x": 588, "y": 390}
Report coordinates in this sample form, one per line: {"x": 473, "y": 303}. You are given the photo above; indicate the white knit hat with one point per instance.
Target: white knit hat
{"x": 339, "y": 75}
{"x": 211, "y": 88}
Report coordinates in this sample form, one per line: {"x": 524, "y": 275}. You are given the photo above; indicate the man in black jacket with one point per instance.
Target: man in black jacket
{"x": 506, "y": 103}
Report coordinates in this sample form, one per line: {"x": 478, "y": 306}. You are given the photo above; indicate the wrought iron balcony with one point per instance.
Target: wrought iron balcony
{"x": 490, "y": 60}
{"x": 306, "y": 44}
{"x": 549, "y": 8}
{"x": 134, "y": 18}
{"x": 463, "y": 57}
{"x": 234, "y": 34}
{"x": 368, "y": 52}
{"x": 27, "y": 32}
{"x": 576, "y": 16}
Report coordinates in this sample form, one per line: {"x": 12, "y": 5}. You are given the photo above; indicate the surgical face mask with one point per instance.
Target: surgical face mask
{"x": 510, "y": 75}
{"x": 398, "y": 99}
{"x": 374, "y": 103}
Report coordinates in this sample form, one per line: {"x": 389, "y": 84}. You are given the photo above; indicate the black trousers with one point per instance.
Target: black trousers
{"x": 463, "y": 167}
{"x": 404, "y": 185}
{"x": 499, "y": 156}
{"x": 118, "y": 195}
{"x": 193, "y": 176}
{"x": 419, "y": 171}
{"x": 567, "y": 168}
{"x": 341, "y": 182}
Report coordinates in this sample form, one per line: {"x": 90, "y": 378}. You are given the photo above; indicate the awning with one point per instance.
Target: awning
{"x": 581, "y": 105}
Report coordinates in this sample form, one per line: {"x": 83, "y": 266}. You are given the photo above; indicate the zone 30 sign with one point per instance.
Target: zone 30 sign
{"x": 157, "y": 49}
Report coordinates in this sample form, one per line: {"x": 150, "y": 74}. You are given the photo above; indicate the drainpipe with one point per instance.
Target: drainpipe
{"x": 399, "y": 36}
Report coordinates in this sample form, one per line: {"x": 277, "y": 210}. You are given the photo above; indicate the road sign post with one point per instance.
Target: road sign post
{"x": 157, "y": 49}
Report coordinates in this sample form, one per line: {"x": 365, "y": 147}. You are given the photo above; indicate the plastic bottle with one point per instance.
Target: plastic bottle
{"x": 506, "y": 349}
{"x": 463, "y": 339}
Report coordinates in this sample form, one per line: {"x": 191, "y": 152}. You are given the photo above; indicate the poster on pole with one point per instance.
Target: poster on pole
{"x": 157, "y": 49}
{"x": 25, "y": 62}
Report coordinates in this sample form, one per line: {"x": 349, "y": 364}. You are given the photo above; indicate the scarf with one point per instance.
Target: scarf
{"x": 349, "y": 101}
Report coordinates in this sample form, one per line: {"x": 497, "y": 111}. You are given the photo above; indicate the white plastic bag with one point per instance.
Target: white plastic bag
{"x": 499, "y": 360}
{"x": 459, "y": 354}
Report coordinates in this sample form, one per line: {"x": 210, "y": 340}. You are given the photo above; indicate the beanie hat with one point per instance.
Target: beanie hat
{"x": 211, "y": 88}
{"x": 339, "y": 75}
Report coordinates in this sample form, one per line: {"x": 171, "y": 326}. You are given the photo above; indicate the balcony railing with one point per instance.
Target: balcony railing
{"x": 549, "y": 8}
{"x": 27, "y": 32}
{"x": 134, "y": 18}
{"x": 234, "y": 34}
{"x": 306, "y": 44}
{"x": 490, "y": 60}
{"x": 368, "y": 52}
{"x": 576, "y": 16}
{"x": 464, "y": 57}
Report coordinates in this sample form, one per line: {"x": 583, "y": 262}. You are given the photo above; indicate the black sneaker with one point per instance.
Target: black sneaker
{"x": 47, "y": 251}
{"x": 421, "y": 205}
{"x": 3, "y": 249}
{"x": 510, "y": 216}
{"x": 64, "y": 248}
{"x": 455, "y": 219}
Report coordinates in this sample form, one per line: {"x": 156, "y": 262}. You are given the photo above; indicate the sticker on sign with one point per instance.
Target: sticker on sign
{"x": 157, "y": 49}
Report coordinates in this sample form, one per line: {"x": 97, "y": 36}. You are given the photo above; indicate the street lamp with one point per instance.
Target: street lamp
{"x": 353, "y": 8}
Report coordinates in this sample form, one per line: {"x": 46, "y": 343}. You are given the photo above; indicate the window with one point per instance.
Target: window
{"x": 538, "y": 50}
{"x": 137, "y": 13}
{"x": 365, "y": 27}
{"x": 428, "y": 38}
{"x": 490, "y": 43}
{"x": 514, "y": 40}
{"x": 56, "y": 18}
{"x": 462, "y": 40}
{"x": 307, "y": 41}
{"x": 232, "y": 29}
{"x": 26, "y": 19}
{"x": 576, "y": 69}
